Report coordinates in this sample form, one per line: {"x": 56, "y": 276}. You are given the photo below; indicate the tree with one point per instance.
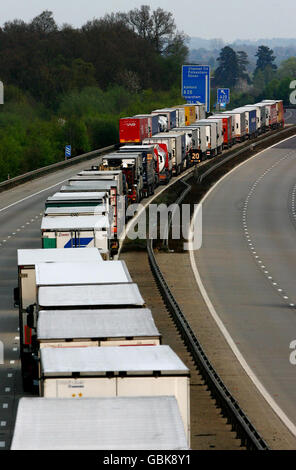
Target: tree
{"x": 242, "y": 59}
{"x": 44, "y": 23}
{"x": 227, "y": 73}
{"x": 157, "y": 26}
{"x": 265, "y": 58}
{"x": 288, "y": 68}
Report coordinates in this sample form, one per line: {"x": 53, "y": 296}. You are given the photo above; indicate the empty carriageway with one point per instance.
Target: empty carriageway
{"x": 246, "y": 268}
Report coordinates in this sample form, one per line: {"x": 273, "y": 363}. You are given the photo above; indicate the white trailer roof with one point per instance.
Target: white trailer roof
{"x": 83, "y": 222}
{"x": 99, "y": 172}
{"x": 73, "y": 211}
{"x": 97, "y": 361}
{"x": 78, "y": 196}
{"x": 58, "y": 255}
{"x": 121, "y": 423}
{"x": 109, "y": 272}
{"x": 104, "y": 295}
{"x": 89, "y": 186}
{"x": 115, "y": 323}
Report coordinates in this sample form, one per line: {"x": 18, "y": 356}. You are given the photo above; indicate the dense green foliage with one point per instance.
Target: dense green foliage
{"x": 71, "y": 86}
{"x": 268, "y": 81}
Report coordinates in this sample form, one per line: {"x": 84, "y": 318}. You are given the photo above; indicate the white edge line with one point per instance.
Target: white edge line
{"x": 32, "y": 195}
{"x": 276, "y": 408}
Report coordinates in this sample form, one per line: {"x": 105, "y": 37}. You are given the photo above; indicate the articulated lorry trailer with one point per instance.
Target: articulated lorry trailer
{"x": 119, "y": 423}
{"x": 93, "y": 372}
{"x": 105, "y": 327}
{"x": 176, "y": 145}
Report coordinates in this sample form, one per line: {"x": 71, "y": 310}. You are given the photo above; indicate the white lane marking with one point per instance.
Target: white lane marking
{"x": 270, "y": 400}
{"x": 9, "y": 375}
{"x": 32, "y": 195}
{"x": 7, "y": 389}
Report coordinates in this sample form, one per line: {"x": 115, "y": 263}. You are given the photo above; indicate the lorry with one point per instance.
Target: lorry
{"x": 133, "y": 129}
{"x": 176, "y": 145}
{"x": 153, "y": 125}
{"x": 149, "y": 165}
{"x": 159, "y": 153}
{"x": 197, "y": 141}
{"x": 167, "y": 118}
{"x": 132, "y": 167}
{"x": 260, "y": 116}
{"x": 211, "y": 136}
{"x": 276, "y": 112}
{"x": 190, "y": 113}
{"x": 240, "y": 124}
{"x": 227, "y": 128}
{"x": 253, "y": 120}
{"x": 105, "y": 327}
{"x": 219, "y": 131}
{"x": 264, "y": 116}
{"x": 180, "y": 116}
{"x": 55, "y": 275}
{"x": 93, "y": 372}
{"x": 119, "y": 423}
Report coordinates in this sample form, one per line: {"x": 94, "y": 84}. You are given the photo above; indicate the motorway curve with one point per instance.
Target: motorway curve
{"x": 247, "y": 264}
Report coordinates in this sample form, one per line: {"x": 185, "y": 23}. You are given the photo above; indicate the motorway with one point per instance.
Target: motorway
{"x": 247, "y": 266}
{"x": 21, "y": 209}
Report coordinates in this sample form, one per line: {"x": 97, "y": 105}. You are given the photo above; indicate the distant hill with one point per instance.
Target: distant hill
{"x": 206, "y": 51}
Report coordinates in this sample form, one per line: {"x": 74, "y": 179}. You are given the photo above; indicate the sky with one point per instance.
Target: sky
{"x": 225, "y": 19}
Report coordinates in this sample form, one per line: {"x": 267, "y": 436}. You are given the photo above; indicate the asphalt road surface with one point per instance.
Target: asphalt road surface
{"x": 247, "y": 265}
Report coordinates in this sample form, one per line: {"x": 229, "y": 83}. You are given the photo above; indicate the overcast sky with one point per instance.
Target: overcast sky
{"x": 226, "y": 19}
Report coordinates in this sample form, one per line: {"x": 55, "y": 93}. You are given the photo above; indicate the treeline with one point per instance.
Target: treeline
{"x": 32, "y": 137}
{"x": 268, "y": 80}
{"x": 64, "y": 85}
{"x": 138, "y": 50}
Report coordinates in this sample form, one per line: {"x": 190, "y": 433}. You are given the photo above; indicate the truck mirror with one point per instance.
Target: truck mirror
{"x": 16, "y": 296}
{"x": 30, "y": 320}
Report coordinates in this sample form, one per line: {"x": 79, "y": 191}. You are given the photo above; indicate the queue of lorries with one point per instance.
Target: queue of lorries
{"x": 89, "y": 345}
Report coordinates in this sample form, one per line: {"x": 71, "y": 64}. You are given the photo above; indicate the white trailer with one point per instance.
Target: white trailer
{"x": 89, "y": 296}
{"x": 81, "y": 198}
{"x": 77, "y": 232}
{"x": 264, "y": 115}
{"x": 180, "y": 116}
{"x": 115, "y": 371}
{"x": 98, "y": 175}
{"x": 219, "y": 128}
{"x": 119, "y": 423}
{"x": 211, "y": 135}
{"x": 106, "y": 327}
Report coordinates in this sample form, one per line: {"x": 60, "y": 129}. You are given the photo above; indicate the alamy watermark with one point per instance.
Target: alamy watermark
{"x": 156, "y": 221}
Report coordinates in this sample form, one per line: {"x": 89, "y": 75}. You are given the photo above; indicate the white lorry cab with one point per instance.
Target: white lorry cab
{"x": 92, "y": 327}
{"x": 93, "y": 372}
{"x": 119, "y": 423}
